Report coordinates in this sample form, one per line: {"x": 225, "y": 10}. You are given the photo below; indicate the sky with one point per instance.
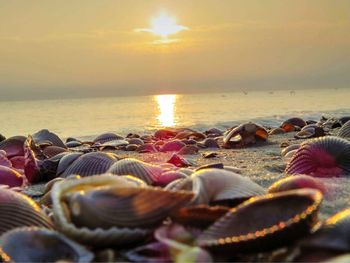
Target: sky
{"x": 83, "y": 48}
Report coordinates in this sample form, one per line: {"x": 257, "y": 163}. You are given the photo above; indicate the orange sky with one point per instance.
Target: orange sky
{"x": 89, "y": 48}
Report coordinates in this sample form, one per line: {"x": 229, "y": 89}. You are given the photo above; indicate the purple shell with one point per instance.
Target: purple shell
{"x": 10, "y": 177}
{"x": 172, "y": 146}
{"x": 90, "y": 164}
{"x": 13, "y": 146}
{"x": 322, "y": 157}
{"x": 44, "y": 136}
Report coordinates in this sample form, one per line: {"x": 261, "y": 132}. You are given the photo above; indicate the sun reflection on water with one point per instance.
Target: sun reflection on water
{"x": 166, "y": 107}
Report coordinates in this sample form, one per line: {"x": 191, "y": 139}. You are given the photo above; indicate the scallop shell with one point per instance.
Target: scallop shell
{"x": 97, "y": 237}
{"x": 90, "y": 164}
{"x": 66, "y": 161}
{"x": 218, "y": 186}
{"x": 264, "y": 223}
{"x": 148, "y": 173}
{"x": 106, "y": 137}
{"x": 19, "y": 210}
{"x": 13, "y": 146}
{"x": 297, "y": 182}
{"x": 44, "y": 136}
{"x": 124, "y": 206}
{"x": 51, "y": 151}
{"x": 323, "y": 157}
{"x": 24, "y": 244}
{"x": 344, "y": 131}
{"x": 10, "y": 177}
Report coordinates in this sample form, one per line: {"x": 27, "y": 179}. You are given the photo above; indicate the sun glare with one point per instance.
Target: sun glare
{"x": 163, "y": 25}
{"x": 166, "y": 107}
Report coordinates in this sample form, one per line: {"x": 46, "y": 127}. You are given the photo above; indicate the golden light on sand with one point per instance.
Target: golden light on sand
{"x": 166, "y": 107}
{"x": 163, "y": 25}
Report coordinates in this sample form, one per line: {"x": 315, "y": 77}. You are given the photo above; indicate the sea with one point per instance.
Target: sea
{"x": 88, "y": 117}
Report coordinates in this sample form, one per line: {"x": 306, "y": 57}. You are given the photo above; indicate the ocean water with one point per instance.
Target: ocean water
{"x": 91, "y": 116}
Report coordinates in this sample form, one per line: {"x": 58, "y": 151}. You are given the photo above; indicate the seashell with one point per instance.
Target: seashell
{"x": 344, "y": 131}
{"x": 73, "y": 144}
{"x": 153, "y": 253}
{"x": 147, "y": 148}
{"x": 10, "y": 177}
{"x": 200, "y": 216}
{"x": 322, "y": 157}
{"x": 13, "y": 146}
{"x": 90, "y": 164}
{"x": 106, "y": 137}
{"x": 165, "y": 134}
{"x": 113, "y": 143}
{"x": 293, "y": 123}
{"x": 99, "y": 236}
{"x": 310, "y": 131}
{"x": 289, "y": 148}
{"x": 133, "y": 135}
{"x": 169, "y": 176}
{"x": 131, "y": 147}
{"x": 344, "y": 119}
{"x": 124, "y": 206}
{"x": 147, "y": 172}
{"x": 210, "y": 155}
{"x": 17, "y": 162}
{"x": 246, "y": 228}
{"x": 51, "y": 151}
{"x": 297, "y": 182}
{"x": 71, "y": 139}
{"x": 179, "y": 161}
{"x": 219, "y": 187}
{"x": 332, "y": 237}
{"x": 44, "y": 136}
{"x": 210, "y": 165}
{"x": 136, "y": 141}
{"x": 188, "y": 149}
{"x": 172, "y": 146}
{"x": 244, "y": 134}
{"x": 4, "y": 161}
{"x": 33, "y": 244}
{"x": 210, "y": 143}
{"x": 19, "y": 210}
{"x": 277, "y": 131}
{"x": 213, "y": 132}
{"x": 66, "y": 161}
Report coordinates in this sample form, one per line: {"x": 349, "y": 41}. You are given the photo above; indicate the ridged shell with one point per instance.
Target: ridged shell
{"x": 289, "y": 148}
{"x": 344, "y": 131}
{"x": 218, "y": 186}
{"x": 44, "y": 136}
{"x": 51, "y": 151}
{"x": 90, "y": 164}
{"x": 124, "y": 206}
{"x": 32, "y": 244}
{"x": 10, "y": 177}
{"x": 333, "y": 235}
{"x": 323, "y": 157}
{"x": 172, "y": 146}
{"x": 297, "y": 182}
{"x": 264, "y": 223}
{"x": 129, "y": 166}
{"x": 97, "y": 237}
{"x": 106, "y": 137}
{"x": 13, "y": 146}
{"x": 17, "y": 210}
{"x": 136, "y": 141}
{"x": 66, "y": 161}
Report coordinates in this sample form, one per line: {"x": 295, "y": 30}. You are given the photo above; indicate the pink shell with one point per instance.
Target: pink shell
{"x": 10, "y": 177}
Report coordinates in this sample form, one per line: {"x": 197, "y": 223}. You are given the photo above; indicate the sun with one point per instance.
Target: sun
{"x": 163, "y": 25}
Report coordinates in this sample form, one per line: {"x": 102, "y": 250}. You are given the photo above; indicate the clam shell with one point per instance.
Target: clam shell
{"x": 10, "y": 177}
{"x": 136, "y": 141}
{"x": 44, "y": 136}
{"x": 172, "y": 146}
{"x": 32, "y": 244}
{"x": 97, "y": 237}
{"x": 210, "y": 143}
{"x": 264, "y": 223}
{"x": 188, "y": 149}
{"x": 66, "y": 161}
{"x": 18, "y": 210}
{"x": 13, "y": 146}
{"x": 90, "y": 164}
{"x": 124, "y": 206}
{"x": 244, "y": 134}
{"x": 344, "y": 131}
{"x": 147, "y": 148}
{"x": 297, "y": 182}
{"x": 290, "y": 124}
{"x": 148, "y": 173}
{"x": 324, "y": 157}
{"x": 277, "y": 131}
{"x": 106, "y": 137}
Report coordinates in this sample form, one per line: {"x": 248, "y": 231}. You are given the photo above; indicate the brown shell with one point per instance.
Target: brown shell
{"x": 106, "y": 137}
{"x": 45, "y": 136}
{"x": 344, "y": 131}
{"x": 33, "y": 244}
{"x": 297, "y": 182}
{"x": 264, "y": 223}
{"x": 17, "y": 210}
{"x": 290, "y": 124}
{"x": 277, "y": 131}
{"x": 51, "y": 151}
{"x": 13, "y": 146}
{"x": 90, "y": 164}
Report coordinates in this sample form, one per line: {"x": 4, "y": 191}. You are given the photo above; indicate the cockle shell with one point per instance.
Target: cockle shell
{"x": 289, "y": 148}
{"x": 147, "y": 172}
{"x": 10, "y": 177}
{"x": 322, "y": 157}
{"x": 124, "y": 206}
{"x": 90, "y": 164}
{"x": 297, "y": 182}
{"x": 66, "y": 161}
{"x": 291, "y": 124}
{"x": 106, "y": 137}
{"x": 51, "y": 151}
{"x": 344, "y": 131}
{"x": 33, "y": 244}
{"x": 136, "y": 141}
{"x": 218, "y": 186}
{"x": 98, "y": 236}
{"x": 13, "y": 146}
{"x": 17, "y": 210}
{"x": 45, "y": 136}
{"x": 264, "y": 223}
